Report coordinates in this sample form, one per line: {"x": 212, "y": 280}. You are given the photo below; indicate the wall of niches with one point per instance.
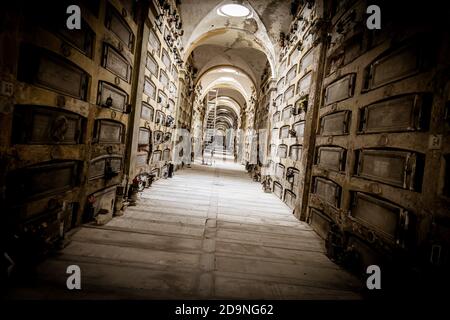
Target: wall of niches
{"x": 65, "y": 118}
{"x": 160, "y": 91}
{"x": 378, "y": 173}
{"x": 291, "y": 111}
{"x": 359, "y": 133}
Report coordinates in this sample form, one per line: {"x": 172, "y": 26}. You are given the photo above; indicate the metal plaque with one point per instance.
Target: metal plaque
{"x": 119, "y": 26}
{"x": 295, "y": 153}
{"x": 149, "y": 88}
{"x": 335, "y": 123}
{"x": 340, "y": 89}
{"x": 287, "y": 112}
{"x": 332, "y": 158}
{"x": 327, "y": 190}
{"x": 299, "y": 128}
{"x": 154, "y": 42}
{"x": 46, "y": 69}
{"x": 405, "y": 113}
{"x": 320, "y": 222}
{"x": 144, "y": 136}
{"x": 147, "y": 112}
{"x": 110, "y": 96}
{"x": 166, "y": 155}
{"x": 289, "y": 93}
{"x": 397, "y": 65}
{"x": 163, "y": 78}
{"x": 45, "y": 125}
{"x": 284, "y": 132}
{"x": 152, "y": 65}
{"x": 291, "y": 74}
{"x": 41, "y": 180}
{"x": 278, "y": 189}
{"x": 166, "y": 59}
{"x": 397, "y": 168}
{"x": 383, "y": 216}
{"x": 289, "y": 198}
{"x": 108, "y": 131}
{"x": 141, "y": 159}
{"x": 116, "y": 63}
{"x": 282, "y": 151}
{"x": 304, "y": 84}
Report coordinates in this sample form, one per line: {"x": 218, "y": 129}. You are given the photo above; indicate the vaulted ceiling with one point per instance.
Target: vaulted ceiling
{"x": 248, "y": 44}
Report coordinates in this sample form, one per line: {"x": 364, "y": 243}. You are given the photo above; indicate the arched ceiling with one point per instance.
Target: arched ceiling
{"x": 201, "y": 16}
{"x": 248, "y": 43}
{"x": 226, "y": 77}
{"x": 231, "y": 53}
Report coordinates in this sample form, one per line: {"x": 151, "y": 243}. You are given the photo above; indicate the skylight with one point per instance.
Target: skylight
{"x": 233, "y": 10}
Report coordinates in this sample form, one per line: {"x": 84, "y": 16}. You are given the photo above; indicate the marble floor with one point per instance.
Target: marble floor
{"x": 209, "y": 232}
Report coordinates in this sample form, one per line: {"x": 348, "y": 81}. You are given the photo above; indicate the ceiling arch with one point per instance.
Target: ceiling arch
{"x": 217, "y": 39}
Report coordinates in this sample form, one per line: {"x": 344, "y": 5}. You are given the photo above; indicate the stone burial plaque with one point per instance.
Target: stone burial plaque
{"x": 289, "y": 198}
{"x": 154, "y": 42}
{"x": 115, "y": 23}
{"x": 150, "y": 88}
{"x": 144, "y": 137}
{"x": 334, "y": 124}
{"x": 108, "y": 131}
{"x": 116, "y": 63}
{"x": 398, "y": 168}
{"x": 152, "y": 65}
{"x": 278, "y": 189}
{"x": 332, "y": 158}
{"x": 147, "y": 112}
{"x": 327, "y": 190}
{"x": 110, "y": 96}
{"x": 295, "y": 152}
{"x": 394, "y": 66}
{"x": 397, "y": 114}
{"x": 99, "y": 166}
{"x": 42, "y": 180}
{"x": 383, "y": 216}
{"x": 46, "y": 125}
{"x": 340, "y": 89}
{"x": 320, "y": 222}
{"x": 45, "y": 69}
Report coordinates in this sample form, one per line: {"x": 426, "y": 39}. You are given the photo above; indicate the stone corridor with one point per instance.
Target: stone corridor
{"x": 208, "y": 232}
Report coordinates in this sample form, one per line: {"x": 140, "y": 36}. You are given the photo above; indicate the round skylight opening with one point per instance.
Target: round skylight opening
{"x": 233, "y": 10}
